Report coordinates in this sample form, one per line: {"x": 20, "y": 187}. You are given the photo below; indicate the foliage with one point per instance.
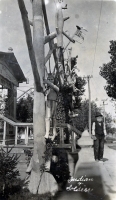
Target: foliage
{"x": 5, "y": 109}
{"x": 65, "y": 103}
{"x": 81, "y": 121}
{"x": 60, "y": 169}
{"x": 109, "y": 127}
{"x": 24, "y": 110}
{"x": 111, "y": 130}
{"x": 28, "y": 153}
{"x": 2, "y": 104}
{"x": 8, "y": 170}
{"x": 80, "y": 83}
{"x": 108, "y": 71}
{"x": 25, "y": 194}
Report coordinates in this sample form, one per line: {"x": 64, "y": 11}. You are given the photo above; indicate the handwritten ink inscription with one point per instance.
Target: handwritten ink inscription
{"x": 80, "y": 184}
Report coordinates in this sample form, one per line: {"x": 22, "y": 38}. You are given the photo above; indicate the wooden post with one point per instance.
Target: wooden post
{"x": 15, "y": 101}
{"x": 61, "y": 135}
{"x": 48, "y": 183}
{"x": 36, "y": 53}
{"x": 51, "y": 43}
{"x": 69, "y": 58}
{"x": 16, "y": 134}
{"x": 59, "y": 25}
{"x": 27, "y": 130}
{"x": 4, "y": 134}
{"x": 73, "y": 145}
{"x": 88, "y": 78}
{"x": 104, "y": 120}
{"x": 27, "y": 30}
{"x": 59, "y": 30}
{"x": 26, "y": 135}
{"x": 71, "y": 164}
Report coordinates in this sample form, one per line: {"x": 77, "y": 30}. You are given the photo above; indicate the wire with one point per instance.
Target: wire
{"x": 29, "y": 74}
{"x": 55, "y": 3}
{"x": 97, "y": 36}
{"x": 28, "y": 71}
{"x": 98, "y": 91}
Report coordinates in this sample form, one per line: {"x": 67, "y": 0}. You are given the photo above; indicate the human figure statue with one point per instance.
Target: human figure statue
{"x": 51, "y": 105}
{"x": 70, "y": 80}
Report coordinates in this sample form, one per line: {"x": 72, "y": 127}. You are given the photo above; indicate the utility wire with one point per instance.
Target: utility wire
{"x": 28, "y": 71}
{"x": 99, "y": 90}
{"x": 29, "y": 74}
{"x": 97, "y": 36}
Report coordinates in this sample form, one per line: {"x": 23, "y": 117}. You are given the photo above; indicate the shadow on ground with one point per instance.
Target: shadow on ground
{"x": 88, "y": 178}
{"x": 105, "y": 159}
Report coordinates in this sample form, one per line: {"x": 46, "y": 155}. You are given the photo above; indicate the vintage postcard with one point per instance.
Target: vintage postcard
{"x": 58, "y": 99}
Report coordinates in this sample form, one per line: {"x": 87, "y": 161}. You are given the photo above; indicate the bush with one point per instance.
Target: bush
{"x": 25, "y": 194}
{"x": 8, "y": 171}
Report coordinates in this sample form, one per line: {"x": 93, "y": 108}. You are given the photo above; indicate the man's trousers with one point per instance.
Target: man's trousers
{"x": 98, "y": 148}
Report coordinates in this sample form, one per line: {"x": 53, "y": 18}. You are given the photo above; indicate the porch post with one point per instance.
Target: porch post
{"x": 4, "y": 133}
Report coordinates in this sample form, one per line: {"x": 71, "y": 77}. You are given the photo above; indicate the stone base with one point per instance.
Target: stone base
{"x": 85, "y": 140}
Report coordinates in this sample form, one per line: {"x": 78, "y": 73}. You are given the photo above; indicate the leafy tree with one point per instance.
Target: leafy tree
{"x": 65, "y": 100}
{"x": 81, "y": 121}
{"x": 8, "y": 170}
{"x": 25, "y": 109}
{"x": 80, "y": 83}
{"x": 108, "y": 71}
{"x": 109, "y": 127}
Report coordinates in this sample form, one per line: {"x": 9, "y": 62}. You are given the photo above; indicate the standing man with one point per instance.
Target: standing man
{"x": 98, "y": 135}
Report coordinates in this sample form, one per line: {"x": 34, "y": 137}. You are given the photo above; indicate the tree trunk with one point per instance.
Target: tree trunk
{"x": 46, "y": 182}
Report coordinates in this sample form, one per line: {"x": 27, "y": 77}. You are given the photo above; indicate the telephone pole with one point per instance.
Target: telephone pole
{"x": 89, "y": 92}
{"x": 104, "y": 109}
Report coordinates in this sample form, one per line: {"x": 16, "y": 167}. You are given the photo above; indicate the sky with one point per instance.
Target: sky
{"x": 97, "y": 17}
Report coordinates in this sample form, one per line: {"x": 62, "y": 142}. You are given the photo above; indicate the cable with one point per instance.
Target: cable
{"x": 29, "y": 75}
{"x": 99, "y": 91}
{"x": 55, "y": 2}
{"x": 97, "y": 36}
{"x": 28, "y": 71}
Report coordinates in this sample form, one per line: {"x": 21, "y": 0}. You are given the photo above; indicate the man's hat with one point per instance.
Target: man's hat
{"x": 98, "y": 114}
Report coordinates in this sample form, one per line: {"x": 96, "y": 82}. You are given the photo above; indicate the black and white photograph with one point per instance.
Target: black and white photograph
{"x": 57, "y": 99}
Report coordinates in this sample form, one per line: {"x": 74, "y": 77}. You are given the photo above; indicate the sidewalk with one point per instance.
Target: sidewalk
{"x": 99, "y": 179}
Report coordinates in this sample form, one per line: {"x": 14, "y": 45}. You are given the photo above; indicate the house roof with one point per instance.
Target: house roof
{"x": 11, "y": 61}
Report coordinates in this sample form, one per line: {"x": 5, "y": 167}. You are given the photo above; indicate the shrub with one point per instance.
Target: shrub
{"x": 8, "y": 171}
{"x": 25, "y": 194}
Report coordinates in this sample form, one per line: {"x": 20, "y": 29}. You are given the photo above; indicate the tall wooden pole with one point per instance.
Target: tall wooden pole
{"x": 69, "y": 58}
{"x": 51, "y": 42}
{"x": 59, "y": 29}
{"x": 39, "y": 182}
{"x": 104, "y": 111}
{"x": 39, "y": 100}
{"x": 89, "y": 91}
{"x": 26, "y": 25}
